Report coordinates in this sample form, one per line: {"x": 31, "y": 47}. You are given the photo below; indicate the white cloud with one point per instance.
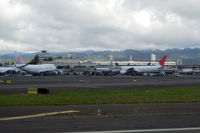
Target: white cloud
{"x": 29, "y": 25}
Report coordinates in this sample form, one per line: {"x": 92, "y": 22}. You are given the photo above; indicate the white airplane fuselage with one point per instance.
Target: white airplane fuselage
{"x": 6, "y": 69}
{"x": 102, "y": 69}
{"x": 40, "y": 68}
{"x": 140, "y": 69}
{"x": 144, "y": 69}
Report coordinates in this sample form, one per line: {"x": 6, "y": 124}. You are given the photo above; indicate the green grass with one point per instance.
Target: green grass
{"x": 118, "y": 96}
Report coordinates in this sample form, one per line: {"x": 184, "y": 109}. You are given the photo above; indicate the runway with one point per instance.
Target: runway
{"x": 110, "y": 118}
{"x": 63, "y": 83}
{"x": 171, "y": 130}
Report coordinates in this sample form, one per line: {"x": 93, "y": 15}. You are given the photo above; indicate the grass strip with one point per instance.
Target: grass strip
{"x": 118, "y": 96}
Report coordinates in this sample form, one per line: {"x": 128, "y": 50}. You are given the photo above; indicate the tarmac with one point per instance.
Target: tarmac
{"x": 104, "y": 118}
{"x": 100, "y": 117}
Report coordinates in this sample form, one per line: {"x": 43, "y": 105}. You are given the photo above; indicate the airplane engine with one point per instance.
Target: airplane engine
{"x": 131, "y": 71}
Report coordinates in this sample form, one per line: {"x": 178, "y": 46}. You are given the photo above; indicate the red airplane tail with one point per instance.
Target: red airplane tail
{"x": 162, "y": 61}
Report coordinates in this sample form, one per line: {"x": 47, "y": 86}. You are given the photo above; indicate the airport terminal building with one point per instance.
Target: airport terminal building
{"x": 68, "y": 63}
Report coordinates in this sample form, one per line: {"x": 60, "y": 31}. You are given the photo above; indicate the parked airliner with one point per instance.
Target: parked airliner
{"x": 143, "y": 69}
{"x": 105, "y": 71}
{"x": 37, "y": 69}
{"x": 8, "y": 70}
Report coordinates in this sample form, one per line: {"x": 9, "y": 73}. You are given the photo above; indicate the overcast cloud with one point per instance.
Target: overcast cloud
{"x": 77, "y": 25}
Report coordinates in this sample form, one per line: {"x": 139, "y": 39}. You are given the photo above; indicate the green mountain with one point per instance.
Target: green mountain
{"x": 189, "y": 56}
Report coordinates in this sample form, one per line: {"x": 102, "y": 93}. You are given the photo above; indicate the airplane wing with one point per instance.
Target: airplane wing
{"x": 6, "y": 69}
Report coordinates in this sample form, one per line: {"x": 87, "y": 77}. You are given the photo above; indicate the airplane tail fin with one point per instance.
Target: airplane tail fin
{"x": 19, "y": 60}
{"x": 162, "y": 61}
{"x": 110, "y": 66}
{"x": 149, "y": 64}
{"x": 131, "y": 58}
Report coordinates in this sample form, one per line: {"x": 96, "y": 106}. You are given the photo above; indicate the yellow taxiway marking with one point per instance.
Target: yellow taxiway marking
{"x": 37, "y": 115}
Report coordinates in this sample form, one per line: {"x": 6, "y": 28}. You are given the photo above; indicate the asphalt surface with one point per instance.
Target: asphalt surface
{"x": 62, "y": 83}
{"x": 99, "y": 117}
{"x": 110, "y": 117}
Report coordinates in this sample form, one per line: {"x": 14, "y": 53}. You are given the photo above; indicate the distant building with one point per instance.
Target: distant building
{"x": 42, "y": 57}
{"x": 68, "y": 63}
{"x": 69, "y": 56}
{"x": 65, "y": 63}
{"x": 153, "y": 57}
{"x": 133, "y": 63}
{"x": 5, "y": 63}
{"x": 179, "y": 62}
{"x": 60, "y": 62}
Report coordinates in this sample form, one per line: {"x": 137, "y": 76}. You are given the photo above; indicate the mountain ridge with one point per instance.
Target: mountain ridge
{"x": 188, "y": 56}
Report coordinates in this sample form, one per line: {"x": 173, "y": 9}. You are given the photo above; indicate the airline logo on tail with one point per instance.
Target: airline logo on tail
{"x": 162, "y": 61}
{"x": 19, "y": 60}
{"x": 149, "y": 64}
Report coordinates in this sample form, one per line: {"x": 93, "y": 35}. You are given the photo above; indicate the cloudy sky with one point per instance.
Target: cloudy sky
{"x": 77, "y": 25}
